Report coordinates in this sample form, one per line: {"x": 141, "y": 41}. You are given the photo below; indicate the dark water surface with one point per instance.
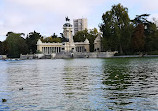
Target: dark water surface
{"x": 79, "y": 84}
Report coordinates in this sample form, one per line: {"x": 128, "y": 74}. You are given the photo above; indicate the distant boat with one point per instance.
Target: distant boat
{"x": 12, "y": 60}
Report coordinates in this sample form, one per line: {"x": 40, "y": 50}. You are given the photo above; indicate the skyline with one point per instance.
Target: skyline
{"x": 48, "y": 16}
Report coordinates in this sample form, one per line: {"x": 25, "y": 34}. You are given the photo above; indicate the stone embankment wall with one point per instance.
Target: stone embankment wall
{"x": 67, "y": 55}
{"x": 85, "y": 55}
{"x": 28, "y": 56}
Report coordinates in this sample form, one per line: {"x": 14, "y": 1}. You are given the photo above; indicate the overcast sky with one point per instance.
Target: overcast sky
{"x": 48, "y": 16}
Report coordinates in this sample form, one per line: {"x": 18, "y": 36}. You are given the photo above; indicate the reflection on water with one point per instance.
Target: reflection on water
{"x": 80, "y": 84}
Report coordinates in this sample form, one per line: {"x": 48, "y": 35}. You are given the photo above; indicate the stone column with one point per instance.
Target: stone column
{"x": 46, "y": 50}
{"x": 49, "y": 51}
{"x": 55, "y": 50}
{"x": 59, "y": 49}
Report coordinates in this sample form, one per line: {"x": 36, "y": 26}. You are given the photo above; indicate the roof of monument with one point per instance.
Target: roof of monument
{"x": 67, "y": 25}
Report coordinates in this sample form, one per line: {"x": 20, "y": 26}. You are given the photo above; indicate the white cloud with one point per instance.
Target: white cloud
{"x": 71, "y": 7}
{"x": 150, "y": 4}
{"x": 47, "y": 16}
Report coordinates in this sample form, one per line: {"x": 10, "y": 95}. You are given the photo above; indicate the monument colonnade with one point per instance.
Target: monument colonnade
{"x": 50, "y": 50}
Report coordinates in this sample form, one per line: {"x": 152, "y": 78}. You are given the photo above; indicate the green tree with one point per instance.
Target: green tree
{"x": 141, "y": 19}
{"x": 151, "y": 38}
{"x": 147, "y": 37}
{"x": 116, "y": 29}
{"x": 31, "y": 41}
{"x": 81, "y": 36}
{"x": 1, "y": 48}
{"x": 52, "y": 39}
{"x": 92, "y": 35}
{"x": 54, "y": 36}
{"x": 138, "y": 38}
{"x": 16, "y": 45}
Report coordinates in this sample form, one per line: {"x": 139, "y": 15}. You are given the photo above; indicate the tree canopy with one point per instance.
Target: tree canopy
{"x": 116, "y": 29}
{"x": 125, "y": 35}
{"x": 31, "y": 41}
{"x": 91, "y": 35}
{"x": 51, "y": 39}
{"x": 16, "y": 45}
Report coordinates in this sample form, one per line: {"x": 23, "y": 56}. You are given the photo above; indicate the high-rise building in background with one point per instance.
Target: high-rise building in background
{"x": 79, "y": 24}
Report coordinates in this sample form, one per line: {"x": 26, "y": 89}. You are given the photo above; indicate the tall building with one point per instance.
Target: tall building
{"x": 79, "y": 24}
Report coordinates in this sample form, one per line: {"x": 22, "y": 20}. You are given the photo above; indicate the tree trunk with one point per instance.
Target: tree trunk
{"x": 121, "y": 51}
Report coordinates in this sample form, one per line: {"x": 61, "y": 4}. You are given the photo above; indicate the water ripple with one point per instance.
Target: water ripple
{"x": 80, "y": 84}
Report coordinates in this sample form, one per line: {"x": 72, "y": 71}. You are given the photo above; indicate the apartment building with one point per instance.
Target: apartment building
{"x": 79, "y": 24}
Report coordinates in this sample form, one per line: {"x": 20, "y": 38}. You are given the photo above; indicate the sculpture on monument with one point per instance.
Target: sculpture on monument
{"x": 67, "y": 18}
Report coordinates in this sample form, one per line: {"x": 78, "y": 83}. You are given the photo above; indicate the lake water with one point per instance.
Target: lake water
{"x": 79, "y": 84}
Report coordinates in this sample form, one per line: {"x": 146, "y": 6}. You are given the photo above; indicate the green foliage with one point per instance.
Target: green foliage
{"x": 125, "y": 35}
{"x": 38, "y": 52}
{"x": 141, "y": 19}
{"x": 116, "y": 29}
{"x": 54, "y": 36}
{"x": 16, "y": 45}
{"x": 52, "y": 40}
{"x": 148, "y": 30}
{"x": 81, "y": 36}
{"x": 91, "y": 37}
{"x": 138, "y": 38}
{"x": 151, "y": 38}
{"x": 152, "y": 52}
{"x": 31, "y": 41}
{"x": 3, "y": 48}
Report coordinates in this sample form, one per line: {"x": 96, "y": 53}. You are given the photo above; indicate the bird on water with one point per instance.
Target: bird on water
{"x": 4, "y": 100}
{"x": 21, "y": 88}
